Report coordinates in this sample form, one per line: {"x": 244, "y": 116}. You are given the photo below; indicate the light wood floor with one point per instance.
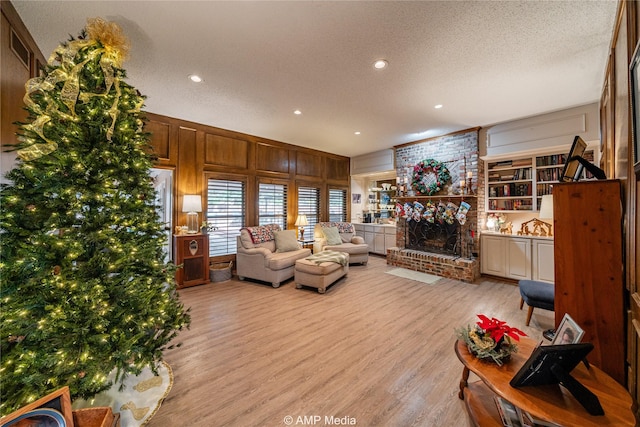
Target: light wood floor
{"x": 376, "y": 348}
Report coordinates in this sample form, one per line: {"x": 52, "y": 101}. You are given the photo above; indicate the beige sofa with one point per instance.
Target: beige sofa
{"x": 354, "y": 245}
{"x": 258, "y": 257}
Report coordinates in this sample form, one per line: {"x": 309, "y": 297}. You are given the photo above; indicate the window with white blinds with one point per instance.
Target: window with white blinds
{"x": 309, "y": 204}
{"x": 272, "y": 204}
{"x": 337, "y": 205}
{"x": 225, "y": 210}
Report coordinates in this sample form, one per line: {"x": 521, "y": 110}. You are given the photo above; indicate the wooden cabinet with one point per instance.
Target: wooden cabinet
{"x": 589, "y": 268}
{"x": 192, "y": 251}
{"x": 517, "y": 257}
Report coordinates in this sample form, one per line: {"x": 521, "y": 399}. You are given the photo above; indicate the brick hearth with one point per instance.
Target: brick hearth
{"x": 452, "y": 267}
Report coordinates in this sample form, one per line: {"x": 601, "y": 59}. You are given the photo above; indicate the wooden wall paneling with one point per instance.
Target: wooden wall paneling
{"x": 199, "y": 152}
{"x": 309, "y": 164}
{"x": 272, "y": 158}
{"x": 337, "y": 169}
{"x": 621, "y": 104}
{"x": 225, "y": 151}
{"x": 160, "y": 140}
{"x": 14, "y": 75}
{"x": 607, "y": 119}
{"x": 188, "y": 171}
{"x": 632, "y": 262}
{"x": 20, "y": 59}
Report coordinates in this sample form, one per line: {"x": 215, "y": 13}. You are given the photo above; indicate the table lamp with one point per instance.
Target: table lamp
{"x": 192, "y": 204}
{"x": 300, "y": 223}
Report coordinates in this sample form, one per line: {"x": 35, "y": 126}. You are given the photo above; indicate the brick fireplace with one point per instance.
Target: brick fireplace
{"x": 446, "y": 256}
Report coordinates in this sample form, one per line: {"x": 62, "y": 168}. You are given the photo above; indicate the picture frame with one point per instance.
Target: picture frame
{"x": 634, "y": 82}
{"x": 53, "y": 408}
{"x": 356, "y": 198}
{"x": 568, "y": 332}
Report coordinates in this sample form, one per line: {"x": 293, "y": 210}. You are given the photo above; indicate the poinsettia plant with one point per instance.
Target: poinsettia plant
{"x": 498, "y": 329}
{"x": 491, "y": 339}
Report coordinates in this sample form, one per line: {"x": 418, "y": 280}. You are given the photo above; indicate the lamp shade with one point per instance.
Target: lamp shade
{"x": 301, "y": 221}
{"x": 546, "y": 207}
{"x": 191, "y": 203}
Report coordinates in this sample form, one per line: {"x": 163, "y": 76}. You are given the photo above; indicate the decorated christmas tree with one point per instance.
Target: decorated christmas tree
{"x": 84, "y": 288}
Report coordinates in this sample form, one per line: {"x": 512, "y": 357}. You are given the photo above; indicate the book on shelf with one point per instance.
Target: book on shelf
{"x": 521, "y": 162}
{"x": 508, "y": 413}
{"x": 529, "y": 420}
{"x": 502, "y": 164}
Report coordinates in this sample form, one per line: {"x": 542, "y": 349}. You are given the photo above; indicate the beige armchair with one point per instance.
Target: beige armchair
{"x": 354, "y": 245}
{"x": 259, "y": 256}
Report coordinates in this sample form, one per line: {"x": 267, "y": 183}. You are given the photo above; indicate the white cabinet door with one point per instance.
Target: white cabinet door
{"x": 518, "y": 258}
{"x": 494, "y": 253}
{"x": 389, "y": 238}
{"x": 389, "y": 242}
{"x": 378, "y": 243}
{"x": 543, "y": 261}
{"x": 368, "y": 239}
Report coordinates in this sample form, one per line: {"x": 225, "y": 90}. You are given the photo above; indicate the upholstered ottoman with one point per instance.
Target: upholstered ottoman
{"x": 320, "y": 276}
{"x": 536, "y": 294}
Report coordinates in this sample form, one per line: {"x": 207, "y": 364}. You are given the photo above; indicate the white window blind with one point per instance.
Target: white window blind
{"x": 337, "y": 205}
{"x": 225, "y": 210}
{"x": 272, "y": 204}
{"x": 309, "y": 204}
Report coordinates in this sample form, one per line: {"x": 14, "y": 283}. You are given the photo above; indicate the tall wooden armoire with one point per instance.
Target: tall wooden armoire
{"x": 587, "y": 218}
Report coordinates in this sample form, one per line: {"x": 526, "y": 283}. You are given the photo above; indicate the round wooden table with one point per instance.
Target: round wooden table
{"x": 550, "y": 402}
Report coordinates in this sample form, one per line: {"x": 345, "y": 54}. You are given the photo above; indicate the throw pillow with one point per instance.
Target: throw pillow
{"x": 286, "y": 241}
{"x": 332, "y": 236}
{"x": 346, "y": 237}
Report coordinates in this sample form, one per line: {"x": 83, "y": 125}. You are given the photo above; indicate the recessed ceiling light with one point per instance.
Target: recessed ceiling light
{"x": 437, "y": 107}
{"x": 357, "y": 132}
{"x": 297, "y": 112}
{"x": 195, "y": 78}
{"x": 380, "y": 64}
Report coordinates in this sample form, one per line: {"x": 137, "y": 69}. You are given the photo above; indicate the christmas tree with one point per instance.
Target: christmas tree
{"x": 84, "y": 286}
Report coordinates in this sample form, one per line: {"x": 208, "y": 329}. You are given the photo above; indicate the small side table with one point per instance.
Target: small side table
{"x": 192, "y": 251}
{"x": 306, "y": 243}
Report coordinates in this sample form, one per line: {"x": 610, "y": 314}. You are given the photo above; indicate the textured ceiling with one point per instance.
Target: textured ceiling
{"x": 485, "y": 61}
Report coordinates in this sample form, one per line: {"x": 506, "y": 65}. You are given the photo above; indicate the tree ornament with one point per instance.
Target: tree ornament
{"x": 421, "y": 181}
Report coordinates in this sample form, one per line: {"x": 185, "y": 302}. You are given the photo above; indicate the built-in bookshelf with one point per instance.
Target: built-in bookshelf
{"x": 510, "y": 185}
{"x": 518, "y": 184}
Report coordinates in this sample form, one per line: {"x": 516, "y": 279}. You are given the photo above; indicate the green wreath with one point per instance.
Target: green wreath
{"x": 419, "y": 182}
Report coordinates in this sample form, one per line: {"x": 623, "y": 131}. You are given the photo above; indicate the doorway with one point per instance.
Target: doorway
{"x": 163, "y": 184}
